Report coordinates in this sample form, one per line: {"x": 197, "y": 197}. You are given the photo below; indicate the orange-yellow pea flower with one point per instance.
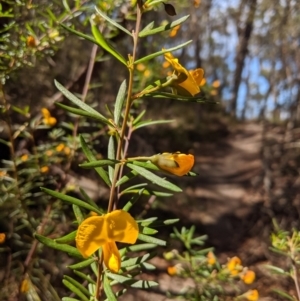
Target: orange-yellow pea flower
{"x": 2, "y": 238}
{"x": 24, "y": 158}
{"x": 172, "y": 270}
{"x": 60, "y": 147}
{"x": 102, "y": 232}
{"x": 67, "y": 150}
{"x": 234, "y": 265}
{"x": 248, "y": 277}
{"x": 177, "y": 164}
{"x": 251, "y": 295}
{"x": 2, "y": 173}
{"x": 188, "y": 82}
{"x": 211, "y": 258}
{"x": 197, "y": 3}
{"x": 174, "y": 31}
{"x": 44, "y": 169}
{"x": 47, "y": 118}
{"x": 216, "y": 84}
{"x": 30, "y": 41}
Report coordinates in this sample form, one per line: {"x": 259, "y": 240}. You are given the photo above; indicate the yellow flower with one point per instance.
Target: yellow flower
{"x": 216, "y": 84}
{"x": 188, "y": 82}
{"x": 177, "y": 164}
{"x": 67, "y": 150}
{"x": 44, "y": 169}
{"x": 211, "y": 258}
{"x": 102, "y": 232}
{"x": 248, "y": 277}
{"x": 197, "y": 3}
{"x": 24, "y": 157}
{"x": 141, "y": 67}
{"x": 48, "y": 119}
{"x": 30, "y": 41}
{"x": 2, "y": 173}
{"x": 174, "y": 31}
{"x": 251, "y": 295}
{"x": 165, "y": 64}
{"x": 60, "y": 147}
{"x": 234, "y": 265}
{"x": 49, "y": 153}
{"x": 172, "y": 270}
{"x": 2, "y": 238}
{"x": 147, "y": 73}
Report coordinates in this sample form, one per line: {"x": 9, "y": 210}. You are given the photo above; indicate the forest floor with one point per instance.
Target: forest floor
{"x": 224, "y": 201}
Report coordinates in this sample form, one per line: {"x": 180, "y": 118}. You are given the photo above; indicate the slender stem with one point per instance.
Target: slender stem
{"x": 99, "y": 283}
{"x": 295, "y": 278}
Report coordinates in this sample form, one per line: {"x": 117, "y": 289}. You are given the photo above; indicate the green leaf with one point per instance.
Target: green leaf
{"x": 79, "y": 102}
{"x": 136, "y": 260}
{"x": 150, "y": 122}
{"x": 152, "y": 240}
{"x": 146, "y": 32}
{"x": 105, "y": 45}
{"x": 75, "y": 290}
{"x": 67, "y": 238}
{"x": 99, "y": 163}
{"x": 80, "y": 34}
{"x": 72, "y": 200}
{"x": 69, "y": 299}
{"x": 149, "y": 231}
{"x": 54, "y": 245}
{"x": 141, "y": 185}
{"x": 84, "y": 276}
{"x": 276, "y": 270}
{"x": 111, "y": 154}
{"x": 111, "y": 21}
{"x": 132, "y": 282}
{"x": 198, "y": 99}
{"x": 154, "y": 178}
{"x": 138, "y": 118}
{"x": 89, "y": 200}
{"x": 108, "y": 291}
{"x": 82, "y": 264}
{"x": 133, "y": 200}
{"x": 143, "y": 284}
{"x": 153, "y": 55}
{"x": 82, "y": 113}
{"x": 77, "y": 285}
{"x": 127, "y": 177}
{"x": 146, "y": 28}
{"x": 119, "y": 102}
{"x": 90, "y": 156}
{"x": 78, "y": 214}
{"x": 137, "y": 248}
{"x": 283, "y": 294}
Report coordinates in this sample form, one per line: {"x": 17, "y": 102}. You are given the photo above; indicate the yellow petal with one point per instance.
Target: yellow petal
{"x": 111, "y": 256}
{"x": 177, "y": 164}
{"x": 121, "y": 227}
{"x": 46, "y": 113}
{"x": 197, "y": 75}
{"x": 248, "y": 277}
{"x": 91, "y": 235}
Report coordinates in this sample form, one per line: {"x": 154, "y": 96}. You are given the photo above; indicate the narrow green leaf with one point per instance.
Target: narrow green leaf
{"x": 153, "y": 55}
{"x": 54, "y": 245}
{"x": 133, "y": 200}
{"x": 151, "y": 240}
{"x": 119, "y": 102}
{"x": 198, "y": 99}
{"x": 150, "y": 122}
{"x": 143, "y": 284}
{"x": 75, "y": 290}
{"x": 107, "y": 288}
{"x": 139, "y": 117}
{"x": 77, "y": 285}
{"x": 154, "y": 178}
{"x": 80, "y": 34}
{"x": 69, "y": 299}
{"x": 85, "y": 277}
{"x": 137, "y": 248}
{"x": 136, "y": 260}
{"x": 78, "y": 214}
{"x": 146, "y": 28}
{"x": 146, "y": 32}
{"x": 105, "y": 45}
{"x": 90, "y": 156}
{"x": 135, "y": 187}
{"x": 126, "y": 178}
{"x": 111, "y": 21}
{"x": 149, "y": 192}
{"x": 283, "y": 294}
{"x": 79, "y": 102}
{"x": 89, "y": 200}
{"x": 111, "y": 154}
{"x": 99, "y": 163}
{"x": 82, "y": 264}
{"x": 149, "y": 231}
{"x": 148, "y": 266}
{"x": 80, "y": 112}
{"x": 119, "y": 278}
{"x": 67, "y": 238}
{"x": 72, "y": 200}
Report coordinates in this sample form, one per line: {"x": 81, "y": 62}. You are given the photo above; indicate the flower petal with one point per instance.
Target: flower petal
{"x": 121, "y": 227}
{"x": 111, "y": 256}
{"x": 197, "y": 75}
{"x": 177, "y": 164}
{"x": 91, "y": 235}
